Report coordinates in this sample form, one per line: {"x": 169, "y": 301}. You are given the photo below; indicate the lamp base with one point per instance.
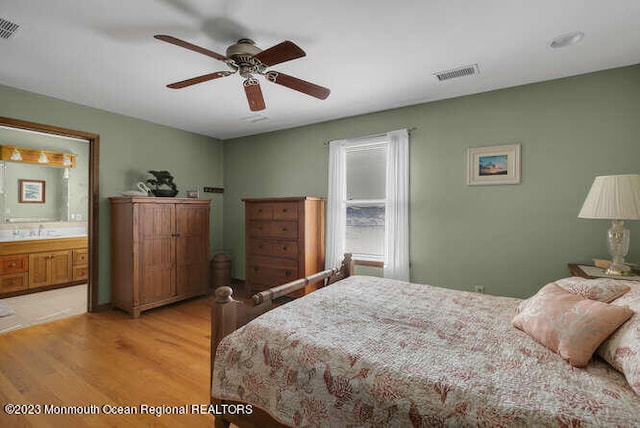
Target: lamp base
{"x": 618, "y": 238}
{"x": 622, "y": 270}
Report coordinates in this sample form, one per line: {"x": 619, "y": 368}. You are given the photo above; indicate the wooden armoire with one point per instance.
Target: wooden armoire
{"x": 159, "y": 251}
{"x": 284, "y": 241}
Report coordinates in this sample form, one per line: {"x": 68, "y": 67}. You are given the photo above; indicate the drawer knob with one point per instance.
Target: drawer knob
{"x": 287, "y": 273}
{"x": 260, "y": 246}
{"x": 285, "y": 248}
{"x": 284, "y": 210}
{"x": 284, "y": 229}
{"x": 256, "y": 269}
{"x": 13, "y": 264}
{"x": 260, "y": 210}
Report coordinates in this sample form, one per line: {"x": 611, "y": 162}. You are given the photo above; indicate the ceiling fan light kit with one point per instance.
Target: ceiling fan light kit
{"x": 248, "y": 60}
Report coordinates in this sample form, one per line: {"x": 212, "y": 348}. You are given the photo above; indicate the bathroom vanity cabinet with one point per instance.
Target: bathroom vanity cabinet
{"x": 36, "y": 265}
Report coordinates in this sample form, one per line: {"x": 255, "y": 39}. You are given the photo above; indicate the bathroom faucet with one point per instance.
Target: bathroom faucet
{"x": 40, "y": 229}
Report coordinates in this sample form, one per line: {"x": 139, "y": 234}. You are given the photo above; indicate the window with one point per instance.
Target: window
{"x": 367, "y": 209}
{"x": 365, "y": 200}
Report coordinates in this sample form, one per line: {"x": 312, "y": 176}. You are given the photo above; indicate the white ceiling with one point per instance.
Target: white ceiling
{"x": 373, "y": 55}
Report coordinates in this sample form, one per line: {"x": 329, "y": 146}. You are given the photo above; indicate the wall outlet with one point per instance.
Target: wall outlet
{"x": 478, "y": 289}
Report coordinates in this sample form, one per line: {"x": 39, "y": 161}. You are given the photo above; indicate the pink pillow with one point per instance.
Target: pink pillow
{"x": 601, "y": 289}
{"x": 622, "y": 349}
{"x": 567, "y": 324}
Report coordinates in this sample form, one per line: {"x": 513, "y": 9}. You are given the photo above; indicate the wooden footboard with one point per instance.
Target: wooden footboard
{"x": 228, "y": 314}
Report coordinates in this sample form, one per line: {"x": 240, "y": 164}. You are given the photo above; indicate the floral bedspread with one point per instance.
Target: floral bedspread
{"x": 376, "y": 352}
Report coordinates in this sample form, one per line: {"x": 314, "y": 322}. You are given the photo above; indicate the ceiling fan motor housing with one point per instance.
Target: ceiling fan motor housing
{"x": 244, "y": 47}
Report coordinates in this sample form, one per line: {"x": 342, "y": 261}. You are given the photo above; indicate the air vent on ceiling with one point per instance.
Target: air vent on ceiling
{"x": 467, "y": 70}
{"x": 255, "y": 118}
{"x": 7, "y": 28}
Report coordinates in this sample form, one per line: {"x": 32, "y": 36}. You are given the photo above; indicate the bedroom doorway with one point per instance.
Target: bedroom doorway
{"x": 83, "y": 210}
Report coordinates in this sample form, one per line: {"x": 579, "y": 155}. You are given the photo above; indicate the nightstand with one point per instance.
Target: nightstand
{"x": 592, "y": 272}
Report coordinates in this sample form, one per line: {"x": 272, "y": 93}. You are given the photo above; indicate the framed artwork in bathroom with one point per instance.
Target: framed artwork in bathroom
{"x": 32, "y": 191}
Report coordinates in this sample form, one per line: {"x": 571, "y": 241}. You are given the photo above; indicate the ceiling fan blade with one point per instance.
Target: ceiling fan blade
{"x": 191, "y": 46}
{"x": 254, "y": 94}
{"x": 298, "y": 84}
{"x": 285, "y": 51}
{"x": 199, "y": 79}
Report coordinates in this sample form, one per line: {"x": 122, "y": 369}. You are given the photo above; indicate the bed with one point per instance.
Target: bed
{"x": 368, "y": 351}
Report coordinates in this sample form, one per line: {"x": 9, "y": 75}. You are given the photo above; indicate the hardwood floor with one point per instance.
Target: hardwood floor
{"x": 159, "y": 359}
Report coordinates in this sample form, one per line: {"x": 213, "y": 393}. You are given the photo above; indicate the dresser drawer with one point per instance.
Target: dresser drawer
{"x": 265, "y": 247}
{"x": 270, "y": 276}
{"x": 14, "y": 264}
{"x": 260, "y": 211}
{"x": 271, "y": 270}
{"x": 275, "y": 229}
{"x": 285, "y": 249}
{"x": 13, "y": 282}
{"x": 285, "y": 211}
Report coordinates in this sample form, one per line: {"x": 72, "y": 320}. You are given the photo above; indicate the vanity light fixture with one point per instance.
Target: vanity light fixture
{"x": 15, "y": 155}
{"x": 37, "y": 156}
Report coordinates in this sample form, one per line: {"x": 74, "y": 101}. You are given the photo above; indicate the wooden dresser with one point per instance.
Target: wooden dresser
{"x": 159, "y": 251}
{"x": 284, "y": 240}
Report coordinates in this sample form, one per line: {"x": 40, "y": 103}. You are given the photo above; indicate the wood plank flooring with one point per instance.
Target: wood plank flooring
{"x": 159, "y": 359}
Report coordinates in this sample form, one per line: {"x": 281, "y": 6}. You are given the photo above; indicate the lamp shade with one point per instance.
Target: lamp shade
{"x": 614, "y": 197}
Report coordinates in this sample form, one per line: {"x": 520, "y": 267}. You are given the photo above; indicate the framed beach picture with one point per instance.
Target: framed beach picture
{"x": 32, "y": 191}
{"x": 493, "y": 165}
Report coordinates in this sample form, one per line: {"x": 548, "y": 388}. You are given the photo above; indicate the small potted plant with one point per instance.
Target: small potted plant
{"x": 162, "y": 184}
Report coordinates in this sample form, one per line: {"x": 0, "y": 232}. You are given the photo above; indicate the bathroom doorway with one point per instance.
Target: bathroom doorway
{"x": 50, "y": 219}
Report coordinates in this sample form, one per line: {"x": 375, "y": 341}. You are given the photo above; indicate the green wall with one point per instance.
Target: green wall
{"x": 510, "y": 239}
{"x": 128, "y": 149}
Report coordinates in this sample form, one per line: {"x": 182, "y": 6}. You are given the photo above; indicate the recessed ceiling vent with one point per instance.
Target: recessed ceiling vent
{"x": 467, "y": 70}
{"x": 7, "y": 28}
{"x": 255, "y": 118}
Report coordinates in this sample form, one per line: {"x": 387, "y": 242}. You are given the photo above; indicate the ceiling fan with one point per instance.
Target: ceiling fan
{"x": 246, "y": 59}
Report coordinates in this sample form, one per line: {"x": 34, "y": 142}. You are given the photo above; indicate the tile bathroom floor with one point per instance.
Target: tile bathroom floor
{"x": 45, "y": 306}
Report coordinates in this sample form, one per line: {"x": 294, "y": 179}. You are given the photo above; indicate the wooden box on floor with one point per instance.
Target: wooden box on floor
{"x": 159, "y": 251}
{"x": 284, "y": 241}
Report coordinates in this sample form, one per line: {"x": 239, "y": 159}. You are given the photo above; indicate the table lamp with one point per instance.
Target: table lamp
{"x": 617, "y": 198}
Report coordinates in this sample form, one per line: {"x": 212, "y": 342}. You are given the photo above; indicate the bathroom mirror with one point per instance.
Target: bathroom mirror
{"x": 39, "y": 192}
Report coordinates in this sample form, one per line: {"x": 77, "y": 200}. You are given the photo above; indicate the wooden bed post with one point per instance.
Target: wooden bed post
{"x": 227, "y": 314}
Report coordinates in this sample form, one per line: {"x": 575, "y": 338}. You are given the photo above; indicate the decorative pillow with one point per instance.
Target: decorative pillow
{"x": 622, "y": 349}
{"x": 601, "y": 289}
{"x": 567, "y": 324}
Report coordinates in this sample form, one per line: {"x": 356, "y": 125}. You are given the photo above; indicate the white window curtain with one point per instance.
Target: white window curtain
{"x": 336, "y": 209}
{"x": 396, "y": 247}
{"x": 396, "y": 222}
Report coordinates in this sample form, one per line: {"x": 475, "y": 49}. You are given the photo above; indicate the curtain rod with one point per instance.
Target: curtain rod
{"x": 382, "y": 134}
